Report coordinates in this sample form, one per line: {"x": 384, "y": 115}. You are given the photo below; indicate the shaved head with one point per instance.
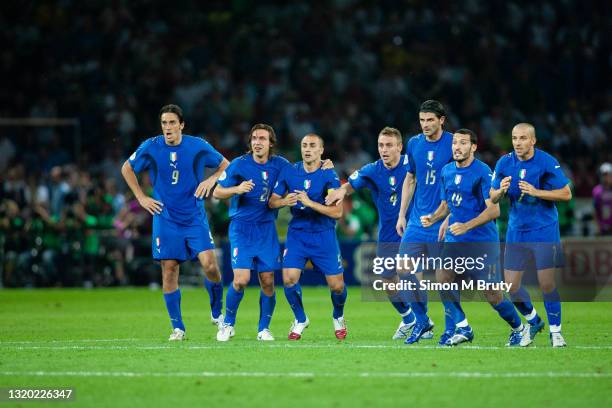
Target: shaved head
{"x": 525, "y": 127}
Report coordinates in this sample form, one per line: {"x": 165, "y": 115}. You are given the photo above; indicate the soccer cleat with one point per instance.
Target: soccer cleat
{"x": 295, "y": 333}
{"x": 340, "y": 328}
{"x": 403, "y": 330}
{"x": 530, "y": 331}
{"x": 515, "y": 338}
{"x": 418, "y": 331}
{"x": 177, "y": 335}
{"x": 429, "y": 334}
{"x": 445, "y": 337}
{"x": 226, "y": 331}
{"x": 265, "y": 335}
{"x": 217, "y": 321}
{"x": 462, "y": 335}
{"x": 557, "y": 340}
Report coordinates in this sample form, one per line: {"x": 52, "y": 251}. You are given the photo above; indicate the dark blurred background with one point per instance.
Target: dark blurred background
{"x": 344, "y": 69}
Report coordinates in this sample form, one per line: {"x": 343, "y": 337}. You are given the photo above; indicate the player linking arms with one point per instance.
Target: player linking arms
{"x": 384, "y": 178}
{"x": 533, "y": 180}
{"x": 176, "y": 165}
{"x": 472, "y": 234}
{"x": 249, "y": 180}
{"x": 312, "y": 235}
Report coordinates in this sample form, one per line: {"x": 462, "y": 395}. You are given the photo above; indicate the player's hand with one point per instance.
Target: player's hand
{"x": 442, "y": 232}
{"x": 151, "y": 205}
{"x": 245, "y": 187}
{"x": 400, "y": 226}
{"x": 458, "y": 228}
{"x": 303, "y": 198}
{"x": 291, "y": 199}
{"x": 505, "y": 184}
{"x": 528, "y": 189}
{"x": 327, "y": 164}
{"x": 205, "y": 187}
{"x": 426, "y": 221}
{"x": 335, "y": 196}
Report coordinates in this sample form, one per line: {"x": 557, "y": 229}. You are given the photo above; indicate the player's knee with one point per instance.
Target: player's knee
{"x": 240, "y": 283}
{"x": 336, "y": 287}
{"x": 289, "y": 281}
{"x": 547, "y": 287}
{"x": 267, "y": 283}
{"x": 493, "y": 297}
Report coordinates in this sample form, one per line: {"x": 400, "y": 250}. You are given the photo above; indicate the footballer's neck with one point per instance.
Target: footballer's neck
{"x": 527, "y": 156}
{"x": 175, "y": 142}
{"x": 465, "y": 163}
{"x": 393, "y": 164}
{"x": 312, "y": 166}
{"x": 436, "y": 136}
{"x": 261, "y": 159}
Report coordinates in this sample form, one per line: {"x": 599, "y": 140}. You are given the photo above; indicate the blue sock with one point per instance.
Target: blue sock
{"x": 215, "y": 292}
{"x": 266, "y": 309}
{"x": 453, "y": 312}
{"x": 552, "y": 304}
{"x": 506, "y": 311}
{"x": 173, "y": 304}
{"x": 402, "y": 308}
{"x": 294, "y": 297}
{"x": 232, "y": 302}
{"x": 338, "y": 300}
{"x": 417, "y": 299}
{"x": 522, "y": 301}
{"x": 420, "y": 311}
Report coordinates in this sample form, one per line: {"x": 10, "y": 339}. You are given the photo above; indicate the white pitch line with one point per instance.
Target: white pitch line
{"x": 69, "y": 341}
{"x": 259, "y": 347}
{"x": 466, "y": 374}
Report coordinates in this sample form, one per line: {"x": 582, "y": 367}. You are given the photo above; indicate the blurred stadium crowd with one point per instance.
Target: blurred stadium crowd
{"x": 342, "y": 68}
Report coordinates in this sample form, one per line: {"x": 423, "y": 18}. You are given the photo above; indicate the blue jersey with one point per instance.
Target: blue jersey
{"x": 544, "y": 173}
{"x": 465, "y": 191}
{"x": 316, "y": 185}
{"x": 252, "y": 207}
{"x": 386, "y": 187}
{"x": 425, "y": 161}
{"x": 176, "y": 172}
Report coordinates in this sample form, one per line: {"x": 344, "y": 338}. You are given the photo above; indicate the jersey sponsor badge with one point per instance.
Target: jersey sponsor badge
{"x": 264, "y": 175}
{"x": 430, "y": 155}
{"x": 458, "y": 178}
{"x": 522, "y": 173}
{"x": 354, "y": 175}
{"x": 307, "y": 184}
{"x": 392, "y": 180}
{"x": 172, "y": 156}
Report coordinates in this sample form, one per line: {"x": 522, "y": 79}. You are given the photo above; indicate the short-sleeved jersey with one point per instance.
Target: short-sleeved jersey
{"x": 386, "y": 187}
{"x": 465, "y": 190}
{"x": 543, "y": 172}
{"x": 175, "y": 174}
{"x": 252, "y": 207}
{"x": 316, "y": 185}
{"x": 425, "y": 160}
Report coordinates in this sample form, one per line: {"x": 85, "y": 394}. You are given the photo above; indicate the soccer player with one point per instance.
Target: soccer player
{"x": 249, "y": 180}
{"x": 471, "y": 234}
{"x": 384, "y": 178}
{"x": 311, "y": 235}
{"x": 533, "y": 180}
{"x": 176, "y": 165}
{"x": 427, "y": 153}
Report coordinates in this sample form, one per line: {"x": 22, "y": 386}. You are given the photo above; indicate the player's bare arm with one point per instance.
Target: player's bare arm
{"x": 276, "y": 201}
{"x": 407, "y": 192}
{"x": 561, "y": 194}
{"x": 336, "y": 196}
{"x": 443, "y": 229}
{"x": 441, "y": 212}
{"x": 497, "y": 195}
{"x": 488, "y": 214}
{"x": 227, "y": 192}
{"x": 333, "y": 211}
{"x": 151, "y": 205}
{"x": 206, "y": 186}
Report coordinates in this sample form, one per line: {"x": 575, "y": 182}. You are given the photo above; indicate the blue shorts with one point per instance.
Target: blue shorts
{"x": 387, "y": 250}
{"x": 417, "y": 244}
{"x": 320, "y": 247}
{"x": 474, "y": 260}
{"x": 254, "y": 246}
{"x": 542, "y": 247}
{"x": 179, "y": 242}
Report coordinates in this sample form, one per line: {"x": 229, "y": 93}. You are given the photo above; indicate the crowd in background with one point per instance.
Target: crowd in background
{"x": 343, "y": 69}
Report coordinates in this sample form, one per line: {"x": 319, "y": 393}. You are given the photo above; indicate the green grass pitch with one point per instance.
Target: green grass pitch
{"x": 111, "y": 347}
